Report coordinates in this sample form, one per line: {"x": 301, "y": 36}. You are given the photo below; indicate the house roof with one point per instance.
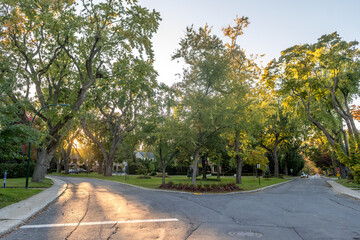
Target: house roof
{"x": 145, "y": 155}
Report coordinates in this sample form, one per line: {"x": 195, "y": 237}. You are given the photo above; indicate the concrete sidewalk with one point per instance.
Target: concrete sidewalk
{"x": 17, "y": 213}
{"x": 337, "y": 187}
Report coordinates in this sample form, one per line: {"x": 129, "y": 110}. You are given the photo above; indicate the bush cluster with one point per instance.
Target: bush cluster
{"x": 221, "y": 187}
{"x": 15, "y": 170}
{"x": 143, "y": 177}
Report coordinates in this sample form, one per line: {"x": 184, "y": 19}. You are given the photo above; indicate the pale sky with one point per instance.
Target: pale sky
{"x": 274, "y": 25}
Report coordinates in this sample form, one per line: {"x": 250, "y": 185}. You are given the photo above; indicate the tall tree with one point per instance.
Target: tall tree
{"x": 201, "y": 100}
{"x": 277, "y": 129}
{"x": 240, "y": 95}
{"x": 62, "y": 51}
{"x": 323, "y": 78}
{"x": 119, "y": 101}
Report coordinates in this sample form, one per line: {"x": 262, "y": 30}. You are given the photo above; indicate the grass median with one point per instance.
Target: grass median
{"x": 248, "y": 182}
{"x": 349, "y": 184}
{"x": 15, "y": 190}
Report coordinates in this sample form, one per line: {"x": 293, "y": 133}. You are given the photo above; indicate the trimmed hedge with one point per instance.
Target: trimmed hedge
{"x": 15, "y": 170}
{"x": 221, "y": 187}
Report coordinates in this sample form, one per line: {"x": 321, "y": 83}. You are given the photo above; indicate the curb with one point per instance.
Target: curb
{"x": 337, "y": 187}
{"x": 194, "y": 193}
{"x": 17, "y": 213}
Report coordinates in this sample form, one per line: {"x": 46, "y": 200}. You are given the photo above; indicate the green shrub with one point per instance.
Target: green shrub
{"x": 144, "y": 177}
{"x": 142, "y": 171}
{"x": 267, "y": 174}
{"x": 16, "y": 170}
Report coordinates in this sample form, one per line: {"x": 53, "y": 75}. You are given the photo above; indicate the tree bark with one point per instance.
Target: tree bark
{"x": 286, "y": 166}
{"x": 163, "y": 175}
{"x": 218, "y": 172}
{"x": 58, "y": 165}
{"x": 275, "y": 158}
{"x": 276, "y": 164}
{"x": 196, "y": 159}
{"x": 203, "y": 163}
{"x": 109, "y": 167}
{"x": 342, "y": 171}
{"x": 238, "y": 158}
{"x": 101, "y": 166}
{"x": 42, "y": 165}
{"x": 66, "y": 161}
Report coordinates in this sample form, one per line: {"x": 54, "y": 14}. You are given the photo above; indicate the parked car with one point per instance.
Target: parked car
{"x": 304, "y": 175}
{"x": 81, "y": 170}
{"x": 71, "y": 170}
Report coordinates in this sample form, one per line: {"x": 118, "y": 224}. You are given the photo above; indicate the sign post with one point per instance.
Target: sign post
{"x": 5, "y": 173}
{"x": 125, "y": 167}
{"x": 258, "y": 167}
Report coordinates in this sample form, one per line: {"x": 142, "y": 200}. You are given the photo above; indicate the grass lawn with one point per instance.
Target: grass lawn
{"x": 20, "y": 183}
{"x": 248, "y": 183}
{"x": 9, "y": 196}
{"x": 15, "y": 190}
{"x": 348, "y": 184}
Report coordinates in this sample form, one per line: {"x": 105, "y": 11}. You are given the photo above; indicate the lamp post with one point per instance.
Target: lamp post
{"x": 28, "y": 163}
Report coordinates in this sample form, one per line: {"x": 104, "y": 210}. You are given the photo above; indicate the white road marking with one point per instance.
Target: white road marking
{"x": 100, "y": 223}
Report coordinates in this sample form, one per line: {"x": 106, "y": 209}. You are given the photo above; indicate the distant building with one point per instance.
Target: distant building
{"x": 138, "y": 155}
{"x": 144, "y": 155}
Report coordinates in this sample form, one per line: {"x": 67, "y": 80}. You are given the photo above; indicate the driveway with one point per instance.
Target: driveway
{"x": 97, "y": 209}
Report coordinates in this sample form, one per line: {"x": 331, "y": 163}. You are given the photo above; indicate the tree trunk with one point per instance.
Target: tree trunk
{"x": 101, "y": 166}
{"x": 196, "y": 159}
{"x": 58, "y": 165}
{"x": 238, "y": 158}
{"x": 218, "y": 172}
{"x": 108, "y": 168}
{"x": 286, "y": 166}
{"x": 163, "y": 174}
{"x": 275, "y": 158}
{"x": 42, "y": 165}
{"x": 66, "y": 161}
{"x": 203, "y": 163}
{"x": 342, "y": 171}
{"x": 110, "y": 161}
{"x": 276, "y": 164}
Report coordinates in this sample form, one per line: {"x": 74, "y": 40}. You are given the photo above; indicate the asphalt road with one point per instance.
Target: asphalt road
{"x": 96, "y": 209}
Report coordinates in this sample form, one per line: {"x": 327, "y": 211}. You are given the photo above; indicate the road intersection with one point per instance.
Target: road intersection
{"x": 97, "y": 209}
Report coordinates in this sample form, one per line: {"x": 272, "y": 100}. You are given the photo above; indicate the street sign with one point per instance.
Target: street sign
{"x": 338, "y": 170}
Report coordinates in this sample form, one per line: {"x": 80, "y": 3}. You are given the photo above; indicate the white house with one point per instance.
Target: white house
{"x": 144, "y": 155}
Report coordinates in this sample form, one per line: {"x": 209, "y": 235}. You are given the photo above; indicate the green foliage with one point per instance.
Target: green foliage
{"x": 66, "y": 49}
{"x": 291, "y": 157}
{"x": 267, "y": 174}
{"x": 353, "y": 159}
{"x": 319, "y": 81}
{"x": 257, "y": 156}
{"x": 201, "y": 99}
{"x": 15, "y": 170}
